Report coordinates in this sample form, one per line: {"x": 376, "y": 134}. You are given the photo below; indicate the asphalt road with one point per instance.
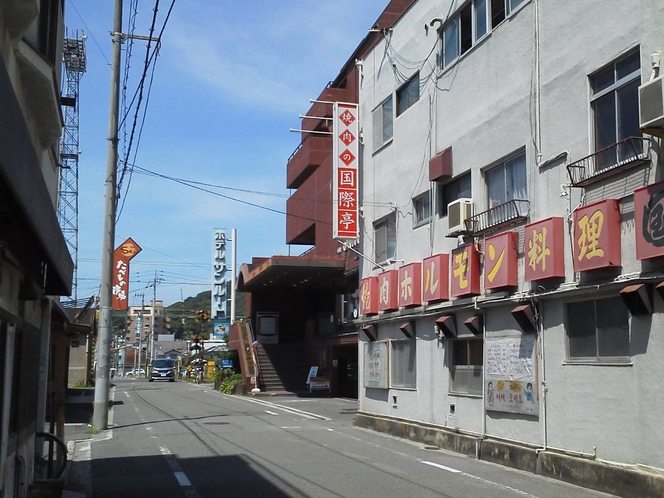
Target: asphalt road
{"x": 179, "y": 439}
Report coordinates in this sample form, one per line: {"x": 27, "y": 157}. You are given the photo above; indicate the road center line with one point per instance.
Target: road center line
{"x": 180, "y": 476}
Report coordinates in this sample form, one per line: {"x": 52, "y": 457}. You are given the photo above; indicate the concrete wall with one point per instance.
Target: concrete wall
{"x": 485, "y": 107}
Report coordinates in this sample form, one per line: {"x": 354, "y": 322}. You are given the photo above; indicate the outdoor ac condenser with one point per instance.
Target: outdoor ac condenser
{"x": 457, "y": 213}
{"x": 651, "y": 107}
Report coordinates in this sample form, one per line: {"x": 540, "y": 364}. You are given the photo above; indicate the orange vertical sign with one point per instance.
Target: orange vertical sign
{"x": 121, "y": 257}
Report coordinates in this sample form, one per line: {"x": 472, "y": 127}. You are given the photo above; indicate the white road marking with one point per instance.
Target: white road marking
{"x": 182, "y": 479}
{"x": 485, "y": 481}
{"x": 271, "y": 413}
{"x": 291, "y": 427}
{"x": 293, "y": 411}
{"x": 443, "y": 467}
{"x": 180, "y": 476}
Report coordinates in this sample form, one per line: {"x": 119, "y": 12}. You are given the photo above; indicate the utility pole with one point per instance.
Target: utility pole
{"x": 102, "y": 385}
{"x": 140, "y": 337}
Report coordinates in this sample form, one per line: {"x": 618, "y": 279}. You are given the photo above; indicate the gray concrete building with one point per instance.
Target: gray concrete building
{"x": 512, "y": 273}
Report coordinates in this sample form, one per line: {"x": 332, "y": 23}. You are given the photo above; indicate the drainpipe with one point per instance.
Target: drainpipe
{"x": 483, "y": 436}
{"x": 540, "y": 327}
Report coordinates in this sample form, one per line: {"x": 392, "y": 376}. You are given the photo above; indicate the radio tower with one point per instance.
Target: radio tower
{"x": 74, "y": 60}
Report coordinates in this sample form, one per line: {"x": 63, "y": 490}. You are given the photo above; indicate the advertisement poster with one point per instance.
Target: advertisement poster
{"x": 375, "y": 364}
{"x": 510, "y": 376}
{"x": 221, "y": 330}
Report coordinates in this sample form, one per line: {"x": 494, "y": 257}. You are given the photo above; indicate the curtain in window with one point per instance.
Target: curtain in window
{"x": 515, "y": 178}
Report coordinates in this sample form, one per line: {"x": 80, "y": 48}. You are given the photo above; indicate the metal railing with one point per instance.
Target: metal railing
{"x": 625, "y": 154}
{"x": 510, "y": 212}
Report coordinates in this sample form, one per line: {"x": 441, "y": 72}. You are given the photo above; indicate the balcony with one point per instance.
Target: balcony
{"x": 307, "y": 157}
{"x": 604, "y": 163}
{"x": 510, "y": 213}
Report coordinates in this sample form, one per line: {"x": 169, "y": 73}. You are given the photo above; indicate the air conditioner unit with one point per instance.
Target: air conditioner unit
{"x": 651, "y": 107}
{"x": 457, "y": 213}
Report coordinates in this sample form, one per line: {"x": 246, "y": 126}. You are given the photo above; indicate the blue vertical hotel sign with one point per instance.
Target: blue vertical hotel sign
{"x": 218, "y": 304}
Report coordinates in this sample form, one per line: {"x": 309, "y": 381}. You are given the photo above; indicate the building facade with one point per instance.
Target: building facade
{"x": 511, "y": 222}
{"x": 34, "y": 260}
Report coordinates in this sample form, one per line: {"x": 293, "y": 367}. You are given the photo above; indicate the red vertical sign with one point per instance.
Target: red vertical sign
{"x": 387, "y": 291}
{"x": 369, "y": 296}
{"x": 544, "y": 245}
{"x": 435, "y": 278}
{"x": 410, "y": 285}
{"x": 597, "y": 235}
{"x": 345, "y": 165}
{"x": 500, "y": 261}
{"x": 465, "y": 271}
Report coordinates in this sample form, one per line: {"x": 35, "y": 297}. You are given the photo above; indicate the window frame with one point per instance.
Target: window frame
{"x": 503, "y": 165}
{"x": 419, "y": 219}
{"x": 443, "y": 200}
{"x": 411, "y": 369}
{"x": 403, "y": 94}
{"x": 381, "y": 135}
{"x": 470, "y": 367}
{"x": 613, "y": 302}
{"x": 634, "y": 78}
{"x": 466, "y": 18}
{"x": 390, "y": 245}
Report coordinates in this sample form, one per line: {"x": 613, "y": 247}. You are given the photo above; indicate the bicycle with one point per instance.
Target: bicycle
{"x": 50, "y": 456}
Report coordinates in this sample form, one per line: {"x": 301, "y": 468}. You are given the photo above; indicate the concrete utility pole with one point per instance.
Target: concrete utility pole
{"x": 100, "y": 409}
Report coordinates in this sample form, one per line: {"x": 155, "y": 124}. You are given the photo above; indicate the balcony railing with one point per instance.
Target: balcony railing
{"x": 618, "y": 157}
{"x": 509, "y": 213}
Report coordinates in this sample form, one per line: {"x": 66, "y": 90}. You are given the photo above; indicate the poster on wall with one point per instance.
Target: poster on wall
{"x": 510, "y": 377}
{"x": 375, "y": 364}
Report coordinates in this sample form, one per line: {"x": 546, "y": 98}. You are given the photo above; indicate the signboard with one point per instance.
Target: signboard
{"x": 387, "y": 290}
{"x": 465, "y": 271}
{"x": 369, "y": 296}
{"x": 597, "y": 235}
{"x": 410, "y": 285}
{"x": 544, "y": 245}
{"x": 500, "y": 261}
{"x": 313, "y": 371}
{"x": 220, "y": 330}
{"x": 375, "y": 364}
{"x": 435, "y": 275}
{"x": 510, "y": 375}
{"x": 319, "y": 384}
{"x": 121, "y": 257}
{"x": 649, "y": 221}
{"x": 219, "y": 298}
{"x": 345, "y": 153}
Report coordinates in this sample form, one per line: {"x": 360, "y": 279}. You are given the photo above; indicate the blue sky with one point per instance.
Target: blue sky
{"x": 231, "y": 79}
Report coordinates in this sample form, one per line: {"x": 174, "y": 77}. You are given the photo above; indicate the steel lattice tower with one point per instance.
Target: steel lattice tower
{"x": 74, "y": 62}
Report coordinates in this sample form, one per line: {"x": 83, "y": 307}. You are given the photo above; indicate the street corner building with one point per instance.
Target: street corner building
{"x": 35, "y": 263}
{"x": 511, "y": 297}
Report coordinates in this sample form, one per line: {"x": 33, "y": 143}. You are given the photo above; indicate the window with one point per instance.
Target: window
{"x": 408, "y": 94}
{"x": 403, "y": 364}
{"x": 422, "y": 209}
{"x": 382, "y": 123}
{"x": 471, "y": 23}
{"x": 458, "y": 188}
{"x": 615, "y": 104}
{"x": 598, "y": 330}
{"x": 507, "y": 181}
{"x": 386, "y": 238}
{"x": 467, "y": 359}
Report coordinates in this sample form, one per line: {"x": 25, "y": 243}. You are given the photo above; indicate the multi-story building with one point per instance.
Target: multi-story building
{"x": 511, "y": 289}
{"x": 307, "y": 304}
{"x": 34, "y": 260}
{"x": 140, "y": 320}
